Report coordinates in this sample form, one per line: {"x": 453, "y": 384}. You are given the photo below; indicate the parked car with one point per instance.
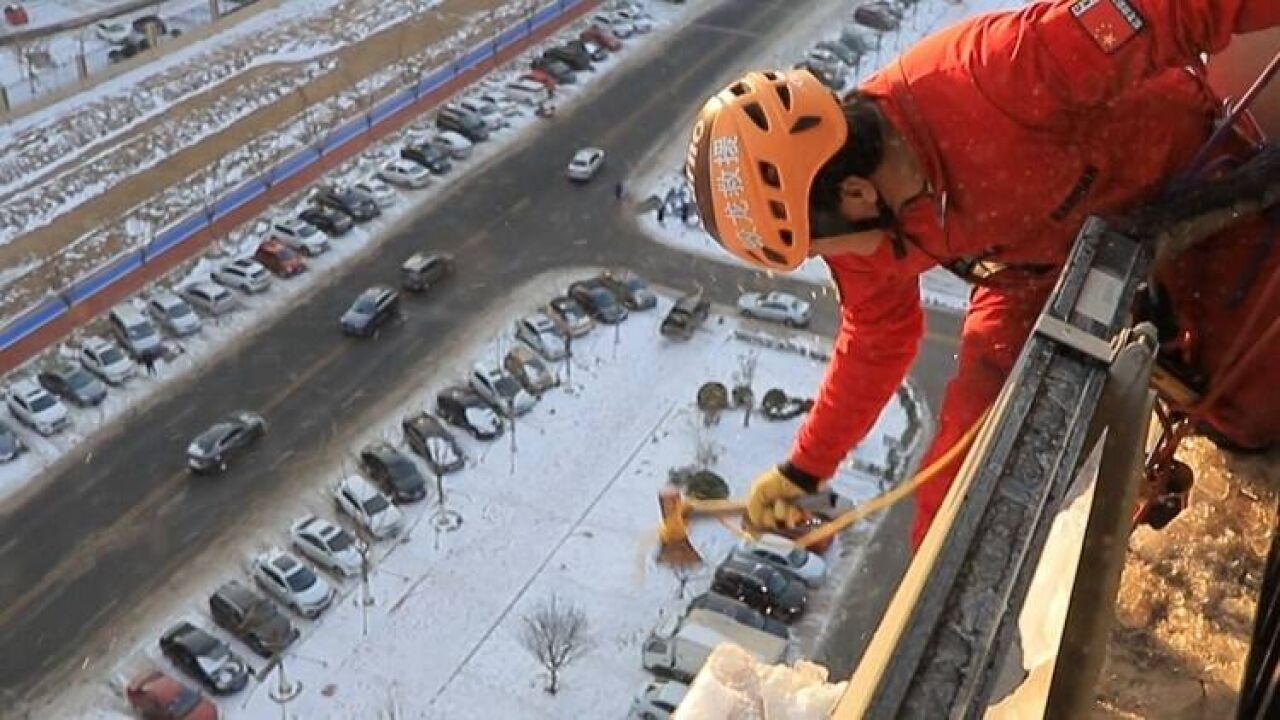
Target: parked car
{"x": 406, "y": 174}
{"x": 741, "y": 613}
{"x": 585, "y": 164}
{"x": 209, "y": 298}
{"x": 134, "y": 331}
{"x": 429, "y": 156}
{"x": 846, "y": 54}
{"x": 686, "y": 316}
{"x": 528, "y": 369}
{"x": 527, "y": 91}
{"x": 371, "y": 309}
{"x": 767, "y": 589}
{"x": 113, "y": 32}
{"x": 156, "y": 696}
{"x": 34, "y": 407}
{"x": 280, "y": 259}
{"x": 386, "y": 466}
{"x": 658, "y": 700}
{"x": 557, "y": 69}
{"x": 570, "y": 316}
{"x": 292, "y": 583}
{"x": 501, "y": 390}
{"x": 246, "y": 275}
{"x": 827, "y": 60}
{"x": 376, "y": 190}
{"x": 71, "y": 382}
{"x": 601, "y": 35}
{"x": 776, "y": 306}
{"x": 347, "y": 201}
{"x": 422, "y": 271}
{"x": 575, "y": 58}
{"x": 641, "y": 22}
{"x": 372, "y": 510}
{"x": 330, "y": 221}
{"x": 173, "y": 313}
{"x": 487, "y": 111}
{"x": 545, "y": 337}
{"x": 11, "y": 446}
{"x": 541, "y": 77}
{"x": 205, "y": 658}
{"x": 301, "y": 235}
{"x": 617, "y": 26}
{"x": 859, "y": 41}
{"x": 106, "y": 360}
{"x": 783, "y": 554}
{"x": 878, "y": 16}
{"x": 631, "y": 289}
{"x": 595, "y": 298}
{"x": 251, "y": 618}
{"x": 596, "y": 51}
{"x": 456, "y": 145}
{"x": 213, "y": 449}
{"x": 428, "y": 437}
{"x": 460, "y": 406}
{"x": 469, "y": 125}
{"x": 825, "y": 75}
{"x": 326, "y": 545}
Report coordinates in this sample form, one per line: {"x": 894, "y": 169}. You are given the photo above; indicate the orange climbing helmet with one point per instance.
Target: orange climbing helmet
{"x": 757, "y": 147}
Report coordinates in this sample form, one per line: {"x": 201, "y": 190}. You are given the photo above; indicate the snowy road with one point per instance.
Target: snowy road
{"x": 140, "y": 522}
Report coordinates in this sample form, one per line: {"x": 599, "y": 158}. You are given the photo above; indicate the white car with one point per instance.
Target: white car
{"x": 585, "y": 164}
{"x": 658, "y": 701}
{"x": 485, "y": 110}
{"x": 327, "y": 545}
{"x": 501, "y": 390}
{"x": 543, "y": 336}
{"x": 173, "y": 313}
{"x": 405, "y": 174}
{"x": 209, "y": 298}
{"x": 246, "y": 275}
{"x": 36, "y": 407}
{"x": 777, "y": 307}
{"x": 616, "y": 25}
{"x": 784, "y": 554}
{"x": 500, "y": 103}
{"x": 300, "y": 235}
{"x": 360, "y": 500}
{"x": 106, "y": 360}
{"x": 376, "y": 190}
{"x": 292, "y": 583}
{"x": 640, "y": 22}
{"x": 457, "y": 146}
{"x": 113, "y": 32}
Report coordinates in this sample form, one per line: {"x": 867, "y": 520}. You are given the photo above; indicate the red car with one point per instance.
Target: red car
{"x": 541, "y": 77}
{"x": 159, "y": 697}
{"x": 280, "y": 258}
{"x": 601, "y": 37}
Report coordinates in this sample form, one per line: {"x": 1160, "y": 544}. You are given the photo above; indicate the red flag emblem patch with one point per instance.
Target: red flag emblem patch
{"x": 1111, "y": 23}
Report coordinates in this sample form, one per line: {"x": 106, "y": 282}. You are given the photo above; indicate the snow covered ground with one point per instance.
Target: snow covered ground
{"x": 567, "y": 508}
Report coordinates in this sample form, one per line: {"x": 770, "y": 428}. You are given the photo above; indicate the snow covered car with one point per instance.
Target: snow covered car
{"x": 525, "y": 366}
{"x": 34, "y": 407}
{"x": 113, "y": 32}
{"x": 785, "y": 555}
{"x": 106, "y": 360}
{"x": 246, "y": 275}
{"x": 686, "y": 316}
{"x": 585, "y": 164}
{"x": 776, "y": 307}
{"x": 658, "y": 700}
{"x": 292, "y": 583}
{"x": 376, "y": 190}
{"x": 542, "y": 335}
{"x": 569, "y": 315}
{"x": 406, "y": 174}
{"x": 453, "y": 144}
{"x": 486, "y": 111}
{"x": 205, "y": 658}
{"x": 326, "y": 545}
{"x": 365, "y": 504}
{"x": 878, "y": 16}
{"x": 71, "y": 382}
{"x": 501, "y": 390}
{"x": 631, "y": 289}
{"x": 617, "y": 26}
{"x": 11, "y": 446}
{"x": 460, "y": 406}
{"x": 173, "y": 313}
{"x": 429, "y": 439}
{"x": 300, "y": 235}
{"x": 640, "y": 22}
{"x": 212, "y": 449}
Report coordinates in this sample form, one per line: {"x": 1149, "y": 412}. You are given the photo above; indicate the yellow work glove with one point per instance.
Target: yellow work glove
{"x": 770, "y": 501}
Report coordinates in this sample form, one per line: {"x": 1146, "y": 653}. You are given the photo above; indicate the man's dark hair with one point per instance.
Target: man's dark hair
{"x": 862, "y": 153}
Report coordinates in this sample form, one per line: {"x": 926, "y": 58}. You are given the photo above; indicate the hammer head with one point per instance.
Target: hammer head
{"x": 674, "y": 547}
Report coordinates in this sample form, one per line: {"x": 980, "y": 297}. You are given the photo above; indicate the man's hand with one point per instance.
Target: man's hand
{"x": 769, "y": 503}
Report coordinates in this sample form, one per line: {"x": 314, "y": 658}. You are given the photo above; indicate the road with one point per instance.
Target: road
{"x": 83, "y": 551}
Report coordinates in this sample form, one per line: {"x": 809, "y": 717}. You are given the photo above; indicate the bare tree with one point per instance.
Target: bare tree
{"x": 743, "y": 395}
{"x": 555, "y": 634}
{"x": 683, "y": 574}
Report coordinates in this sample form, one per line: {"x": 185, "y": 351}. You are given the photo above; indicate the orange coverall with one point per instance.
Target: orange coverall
{"x": 1026, "y": 123}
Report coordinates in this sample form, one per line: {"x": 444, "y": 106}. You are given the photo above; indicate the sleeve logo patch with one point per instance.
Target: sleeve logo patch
{"x": 1111, "y": 23}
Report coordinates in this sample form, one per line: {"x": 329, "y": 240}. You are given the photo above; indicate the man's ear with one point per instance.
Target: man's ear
{"x": 858, "y": 189}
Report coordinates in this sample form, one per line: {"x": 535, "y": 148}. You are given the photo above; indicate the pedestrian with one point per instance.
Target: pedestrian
{"x": 684, "y": 213}
{"x": 617, "y": 190}
{"x": 662, "y": 213}
{"x": 945, "y": 160}
{"x": 149, "y": 362}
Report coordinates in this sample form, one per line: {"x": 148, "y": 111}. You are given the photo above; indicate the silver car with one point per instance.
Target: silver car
{"x": 327, "y": 545}
{"x": 501, "y": 390}
{"x": 776, "y": 307}
{"x": 585, "y": 164}
{"x": 173, "y": 313}
{"x": 246, "y": 275}
{"x": 544, "y": 336}
{"x": 300, "y": 235}
{"x": 292, "y": 583}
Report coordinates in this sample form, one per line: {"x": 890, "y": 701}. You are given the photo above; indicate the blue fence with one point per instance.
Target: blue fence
{"x": 51, "y": 308}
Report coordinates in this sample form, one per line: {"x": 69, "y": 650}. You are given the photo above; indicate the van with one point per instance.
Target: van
{"x": 135, "y": 332}
{"x": 678, "y": 647}
{"x": 527, "y": 91}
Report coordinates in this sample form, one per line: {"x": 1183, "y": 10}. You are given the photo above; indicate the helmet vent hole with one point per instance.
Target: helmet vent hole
{"x": 756, "y": 113}
{"x": 784, "y": 94}
{"x": 778, "y": 209}
{"x": 785, "y": 236}
{"x": 739, "y": 89}
{"x": 805, "y": 122}
{"x": 769, "y": 173}
{"x": 773, "y": 76}
{"x": 774, "y": 256}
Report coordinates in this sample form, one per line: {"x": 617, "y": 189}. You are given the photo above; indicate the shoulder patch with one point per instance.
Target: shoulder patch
{"x": 1111, "y": 23}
